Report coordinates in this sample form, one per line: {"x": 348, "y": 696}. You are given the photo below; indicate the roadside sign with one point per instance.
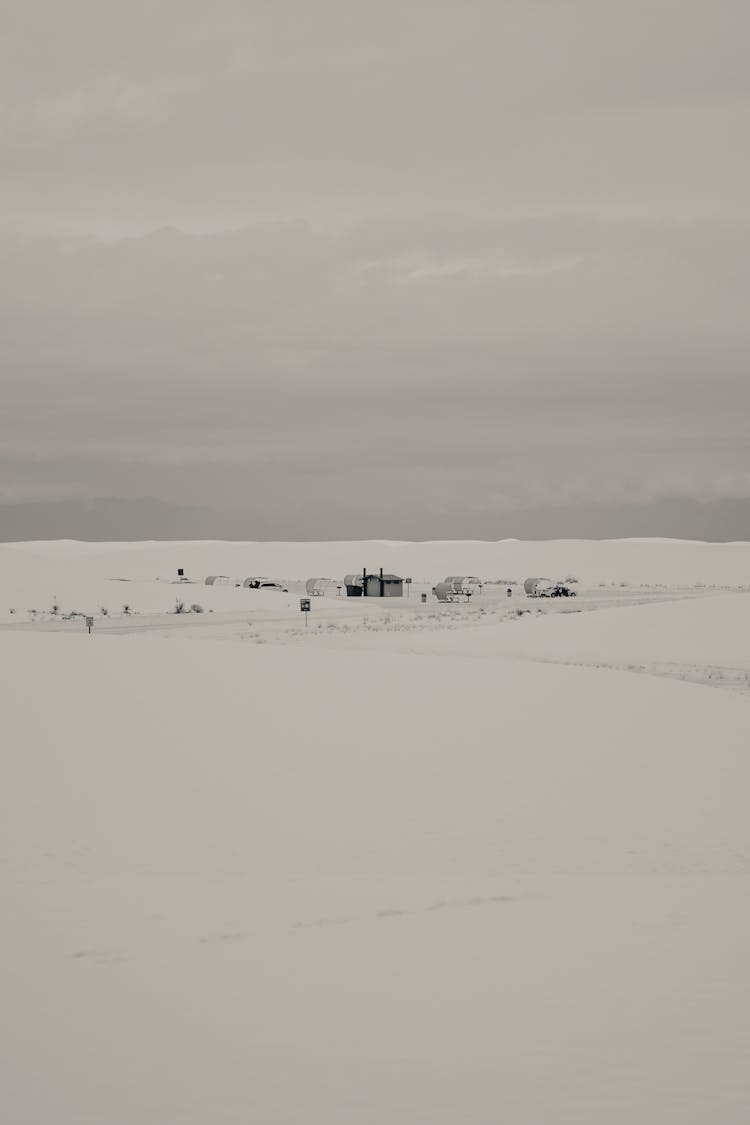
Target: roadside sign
{"x": 89, "y": 623}
{"x": 424, "y": 599}
{"x": 180, "y": 572}
{"x": 304, "y": 605}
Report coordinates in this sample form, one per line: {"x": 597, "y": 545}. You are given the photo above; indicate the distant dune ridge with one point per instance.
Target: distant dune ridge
{"x": 675, "y": 562}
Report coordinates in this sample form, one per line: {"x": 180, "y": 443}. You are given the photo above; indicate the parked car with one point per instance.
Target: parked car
{"x": 264, "y": 584}
{"x": 558, "y": 591}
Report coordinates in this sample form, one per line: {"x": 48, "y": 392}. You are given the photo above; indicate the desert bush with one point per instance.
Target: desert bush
{"x": 195, "y": 608}
{"x": 179, "y": 607}
{"x": 126, "y": 609}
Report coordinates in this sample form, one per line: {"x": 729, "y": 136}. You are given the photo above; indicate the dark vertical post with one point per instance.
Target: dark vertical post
{"x": 364, "y": 583}
{"x": 382, "y": 584}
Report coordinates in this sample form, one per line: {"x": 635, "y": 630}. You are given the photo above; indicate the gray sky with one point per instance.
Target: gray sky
{"x": 415, "y": 269}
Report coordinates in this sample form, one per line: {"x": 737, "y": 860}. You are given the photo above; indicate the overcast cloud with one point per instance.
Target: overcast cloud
{"x": 419, "y": 269}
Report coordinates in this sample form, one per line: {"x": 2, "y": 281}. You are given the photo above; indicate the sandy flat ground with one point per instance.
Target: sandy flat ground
{"x": 408, "y": 864}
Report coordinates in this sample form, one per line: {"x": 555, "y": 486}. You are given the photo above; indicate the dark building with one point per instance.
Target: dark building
{"x": 374, "y": 585}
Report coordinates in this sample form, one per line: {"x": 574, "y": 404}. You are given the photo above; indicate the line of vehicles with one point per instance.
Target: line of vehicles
{"x": 452, "y": 589}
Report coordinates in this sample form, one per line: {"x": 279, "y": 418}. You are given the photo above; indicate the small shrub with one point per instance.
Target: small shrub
{"x": 195, "y": 608}
{"x": 179, "y": 607}
{"x": 104, "y": 611}
{"x": 126, "y": 609}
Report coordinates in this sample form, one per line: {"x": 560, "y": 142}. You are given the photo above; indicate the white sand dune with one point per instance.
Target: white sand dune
{"x": 406, "y": 877}
{"x": 702, "y": 638}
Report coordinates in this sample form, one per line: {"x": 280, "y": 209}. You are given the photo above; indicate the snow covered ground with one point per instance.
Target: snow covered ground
{"x": 424, "y": 864}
